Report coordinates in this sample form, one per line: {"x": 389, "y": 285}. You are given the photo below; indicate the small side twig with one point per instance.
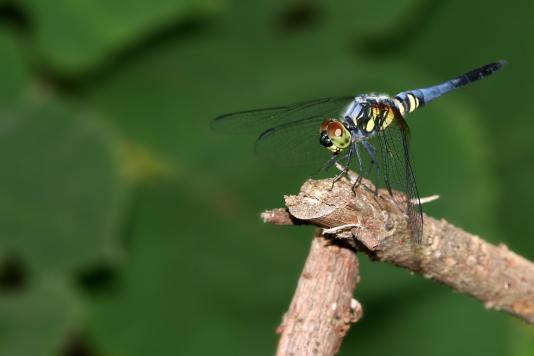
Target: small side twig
{"x": 377, "y": 226}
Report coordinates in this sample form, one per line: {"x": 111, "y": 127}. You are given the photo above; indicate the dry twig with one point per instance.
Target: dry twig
{"x": 498, "y": 277}
{"x": 322, "y": 308}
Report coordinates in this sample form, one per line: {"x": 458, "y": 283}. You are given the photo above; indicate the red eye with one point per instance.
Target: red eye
{"x": 335, "y": 129}
{"x": 325, "y": 124}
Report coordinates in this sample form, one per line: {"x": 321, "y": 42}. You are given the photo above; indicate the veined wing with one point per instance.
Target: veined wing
{"x": 288, "y": 135}
{"x": 259, "y": 120}
{"x": 294, "y": 143}
{"x": 398, "y": 171}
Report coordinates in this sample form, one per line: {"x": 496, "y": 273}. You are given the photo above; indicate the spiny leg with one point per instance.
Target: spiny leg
{"x": 360, "y": 168}
{"x": 329, "y": 163}
{"x": 345, "y": 168}
{"x": 372, "y": 153}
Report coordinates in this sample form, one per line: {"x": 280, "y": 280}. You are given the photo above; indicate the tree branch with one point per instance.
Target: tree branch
{"x": 322, "y": 308}
{"x": 376, "y": 225}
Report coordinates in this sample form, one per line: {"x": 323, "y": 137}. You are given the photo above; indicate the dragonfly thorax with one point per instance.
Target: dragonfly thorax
{"x": 368, "y": 114}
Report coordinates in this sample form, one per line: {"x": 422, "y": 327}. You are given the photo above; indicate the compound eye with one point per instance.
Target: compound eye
{"x": 325, "y": 124}
{"x": 325, "y": 140}
{"x": 335, "y": 130}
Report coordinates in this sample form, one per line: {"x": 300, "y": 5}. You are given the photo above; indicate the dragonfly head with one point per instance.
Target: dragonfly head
{"x": 334, "y": 135}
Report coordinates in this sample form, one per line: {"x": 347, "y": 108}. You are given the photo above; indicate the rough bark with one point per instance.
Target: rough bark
{"x": 322, "y": 308}
{"x": 377, "y": 225}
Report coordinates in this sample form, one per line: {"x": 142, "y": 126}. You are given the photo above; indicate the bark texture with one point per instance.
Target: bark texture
{"x": 322, "y": 308}
{"x": 377, "y": 225}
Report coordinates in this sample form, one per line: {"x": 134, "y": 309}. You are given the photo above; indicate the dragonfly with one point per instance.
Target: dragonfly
{"x": 346, "y": 125}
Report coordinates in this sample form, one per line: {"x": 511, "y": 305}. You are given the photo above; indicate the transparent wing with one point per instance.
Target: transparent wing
{"x": 288, "y": 135}
{"x": 293, "y": 143}
{"x": 398, "y": 171}
{"x": 259, "y": 120}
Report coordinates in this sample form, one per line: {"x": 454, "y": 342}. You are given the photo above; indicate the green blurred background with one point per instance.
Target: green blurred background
{"x": 127, "y": 227}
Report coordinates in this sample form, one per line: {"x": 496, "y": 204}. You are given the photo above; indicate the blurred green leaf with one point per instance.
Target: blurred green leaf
{"x": 37, "y": 320}
{"x": 13, "y": 71}
{"x": 521, "y": 339}
{"x": 426, "y": 325}
{"x": 61, "y": 189}
{"x": 76, "y": 36}
{"x": 183, "y": 284}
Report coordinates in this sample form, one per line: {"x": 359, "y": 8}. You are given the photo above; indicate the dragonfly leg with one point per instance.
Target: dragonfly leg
{"x": 372, "y": 153}
{"x": 345, "y": 168}
{"x": 329, "y": 163}
{"x": 360, "y": 168}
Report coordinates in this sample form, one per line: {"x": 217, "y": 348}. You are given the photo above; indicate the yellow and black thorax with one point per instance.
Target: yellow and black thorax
{"x": 369, "y": 114}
